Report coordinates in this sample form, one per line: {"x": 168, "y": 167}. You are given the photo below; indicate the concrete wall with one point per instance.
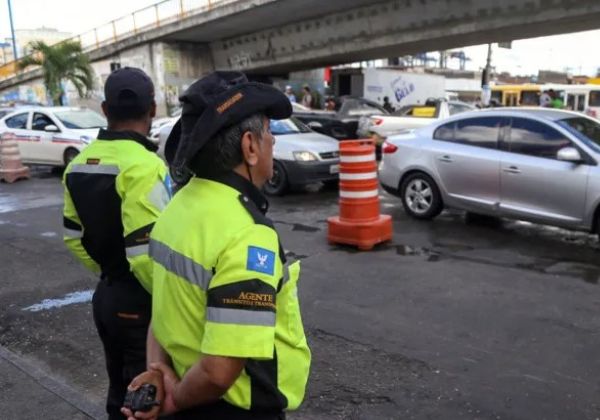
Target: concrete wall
{"x": 182, "y": 64}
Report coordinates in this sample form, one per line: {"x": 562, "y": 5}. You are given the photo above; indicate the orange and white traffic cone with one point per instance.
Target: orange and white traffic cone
{"x": 360, "y": 222}
{"x": 11, "y": 167}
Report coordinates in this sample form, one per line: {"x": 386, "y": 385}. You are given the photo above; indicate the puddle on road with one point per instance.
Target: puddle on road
{"x": 298, "y": 227}
{"x": 454, "y": 247}
{"x": 590, "y": 273}
{"x": 587, "y": 272}
{"x": 411, "y": 251}
{"x": 293, "y": 256}
{"x": 83, "y": 296}
{"x": 27, "y": 201}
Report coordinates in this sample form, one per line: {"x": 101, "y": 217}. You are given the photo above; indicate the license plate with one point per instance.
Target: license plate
{"x": 334, "y": 169}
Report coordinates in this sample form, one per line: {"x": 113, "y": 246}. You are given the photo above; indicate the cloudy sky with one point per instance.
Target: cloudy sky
{"x": 576, "y": 53}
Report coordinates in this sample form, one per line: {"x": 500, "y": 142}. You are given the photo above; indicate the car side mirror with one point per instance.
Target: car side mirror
{"x": 569, "y": 154}
{"x": 315, "y": 124}
{"x": 51, "y": 128}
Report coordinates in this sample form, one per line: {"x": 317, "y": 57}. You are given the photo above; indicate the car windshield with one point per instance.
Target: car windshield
{"x": 289, "y": 126}
{"x": 585, "y": 129}
{"x": 81, "y": 118}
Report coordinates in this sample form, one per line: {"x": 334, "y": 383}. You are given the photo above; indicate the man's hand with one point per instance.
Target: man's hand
{"x": 170, "y": 383}
{"x": 153, "y": 377}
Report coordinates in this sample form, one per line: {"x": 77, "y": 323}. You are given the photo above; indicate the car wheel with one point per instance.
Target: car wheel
{"x": 69, "y": 155}
{"x": 421, "y": 197}
{"x": 278, "y": 184}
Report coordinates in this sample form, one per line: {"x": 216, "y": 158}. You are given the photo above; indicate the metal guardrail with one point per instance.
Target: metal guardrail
{"x": 147, "y": 19}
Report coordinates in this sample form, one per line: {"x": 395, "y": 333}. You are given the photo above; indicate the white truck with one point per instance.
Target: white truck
{"x": 402, "y": 88}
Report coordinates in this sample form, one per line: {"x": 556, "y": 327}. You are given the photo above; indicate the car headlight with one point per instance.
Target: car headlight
{"x": 85, "y": 139}
{"x": 304, "y": 156}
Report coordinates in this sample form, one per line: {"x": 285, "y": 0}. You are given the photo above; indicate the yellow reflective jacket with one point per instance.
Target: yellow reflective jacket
{"x": 223, "y": 286}
{"x": 114, "y": 191}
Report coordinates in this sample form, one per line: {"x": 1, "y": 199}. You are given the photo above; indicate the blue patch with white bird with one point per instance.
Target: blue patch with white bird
{"x": 261, "y": 260}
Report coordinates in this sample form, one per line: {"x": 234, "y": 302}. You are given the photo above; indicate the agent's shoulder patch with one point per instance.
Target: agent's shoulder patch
{"x": 260, "y": 260}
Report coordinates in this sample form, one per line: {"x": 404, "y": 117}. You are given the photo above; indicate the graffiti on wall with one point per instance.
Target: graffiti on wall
{"x": 240, "y": 60}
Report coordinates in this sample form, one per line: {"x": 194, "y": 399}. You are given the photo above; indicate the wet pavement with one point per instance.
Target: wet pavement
{"x": 463, "y": 317}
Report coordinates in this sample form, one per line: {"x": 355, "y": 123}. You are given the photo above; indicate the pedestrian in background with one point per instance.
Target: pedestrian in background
{"x": 387, "y": 105}
{"x": 557, "y": 101}
{"x": 289, "y": 92}
{"x": 546, "y": 99}
{"x": 330, "y": 104}
{"x": 226, "y": 329}
{"x": 114, "y": 191}
{"x": 307, "y": 98}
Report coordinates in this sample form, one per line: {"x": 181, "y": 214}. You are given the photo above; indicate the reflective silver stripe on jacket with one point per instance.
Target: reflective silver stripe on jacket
{"x": 180, "y": 265}
{"x": 286, "y": 272}
{"x": 240, "y": 317}
{"x": 95, "y": 169}
{"x": 136, "y": 251}
{"x": 159, "y": 196}
{"x": 72, "y": 233}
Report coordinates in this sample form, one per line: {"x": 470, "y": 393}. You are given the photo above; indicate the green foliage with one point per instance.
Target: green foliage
{"x": 63, "y": 61}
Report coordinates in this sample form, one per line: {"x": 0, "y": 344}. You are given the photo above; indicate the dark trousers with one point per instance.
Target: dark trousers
{"x": 122, "y": 309}
{"x": 224, "y": 411}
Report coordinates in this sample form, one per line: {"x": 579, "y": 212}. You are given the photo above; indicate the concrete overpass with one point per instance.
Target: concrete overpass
{"x": 277, "y": 36}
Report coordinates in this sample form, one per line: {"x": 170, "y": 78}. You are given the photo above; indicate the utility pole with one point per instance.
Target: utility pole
{"x": 12, "y": 31}
{"x": 486, "y": 92}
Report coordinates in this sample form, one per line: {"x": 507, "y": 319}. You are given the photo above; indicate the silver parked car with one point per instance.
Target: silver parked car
{"x": 536, "y": 164}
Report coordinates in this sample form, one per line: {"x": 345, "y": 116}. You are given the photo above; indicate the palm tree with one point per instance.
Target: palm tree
{"x": 63, "y": 61}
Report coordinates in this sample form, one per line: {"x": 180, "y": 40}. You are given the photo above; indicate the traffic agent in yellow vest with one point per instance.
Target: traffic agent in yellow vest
{"x": 115, "y": 190}
{"x": 223, "y": 286}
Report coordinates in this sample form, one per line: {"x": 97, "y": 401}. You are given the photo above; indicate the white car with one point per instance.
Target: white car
{"x": 410, "y": 117}
{"x": 159, "y": 123}
{"x": 300, "y": 156}
{"x": 52, "y": 135}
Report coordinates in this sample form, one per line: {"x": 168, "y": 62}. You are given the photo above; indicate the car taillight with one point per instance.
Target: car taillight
{"x": 389, "y": 148}
{"x": 377, "y": 121}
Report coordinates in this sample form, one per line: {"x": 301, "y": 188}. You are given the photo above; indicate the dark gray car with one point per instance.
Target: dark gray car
{"x": 536, "y": 164}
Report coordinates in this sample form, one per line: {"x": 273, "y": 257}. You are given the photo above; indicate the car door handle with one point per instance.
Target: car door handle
{"x": 512, "y": 170}
{"x": 446, "y": 159}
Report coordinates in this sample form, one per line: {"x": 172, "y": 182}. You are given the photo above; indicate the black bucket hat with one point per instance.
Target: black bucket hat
{"x": 215, "y": 102}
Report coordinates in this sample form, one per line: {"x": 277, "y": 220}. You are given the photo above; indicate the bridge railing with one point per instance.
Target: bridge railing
{"x": 146, "y": 19}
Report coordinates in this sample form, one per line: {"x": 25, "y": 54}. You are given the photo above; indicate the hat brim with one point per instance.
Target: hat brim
{"x": 258, "y": 98}
{"x": 278, "y": 106}
{"x": 173, "y": 142}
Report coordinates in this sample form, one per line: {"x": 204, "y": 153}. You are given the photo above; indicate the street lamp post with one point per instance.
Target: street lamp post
{"x": 12, "y": 31}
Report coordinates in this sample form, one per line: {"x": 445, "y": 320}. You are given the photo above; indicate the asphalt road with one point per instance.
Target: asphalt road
{"x": 459, "y": 318}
